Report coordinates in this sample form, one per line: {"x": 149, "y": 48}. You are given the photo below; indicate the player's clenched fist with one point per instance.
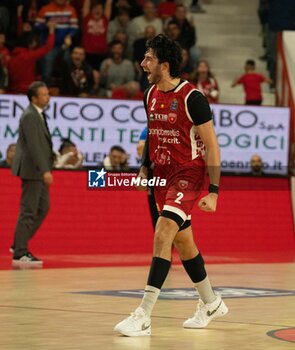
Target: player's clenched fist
{"x": 209, "y": 202}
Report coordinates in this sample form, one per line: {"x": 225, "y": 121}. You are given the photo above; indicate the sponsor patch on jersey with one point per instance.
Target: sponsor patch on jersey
{"x": 174, "y": 105}
{"x": 191, "y": 294}
{"x": 159, "y": 117}
{"x": 172, "y": 117}
{"x": 182, "y": 184}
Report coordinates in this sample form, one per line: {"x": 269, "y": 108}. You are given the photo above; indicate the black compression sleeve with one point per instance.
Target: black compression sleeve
{"x": 198, "y": 108}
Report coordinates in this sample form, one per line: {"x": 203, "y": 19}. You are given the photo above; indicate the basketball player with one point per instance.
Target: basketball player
{"x": 180, "y": 133}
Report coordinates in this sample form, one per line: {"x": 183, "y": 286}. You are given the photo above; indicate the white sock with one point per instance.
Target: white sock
{"x": 149, "y": 299}
{"x": 205, "y": 291}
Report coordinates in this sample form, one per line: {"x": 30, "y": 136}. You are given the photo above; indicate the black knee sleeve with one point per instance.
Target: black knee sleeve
{"x": 158, "y": 272}
{"x": 195, "y": 268}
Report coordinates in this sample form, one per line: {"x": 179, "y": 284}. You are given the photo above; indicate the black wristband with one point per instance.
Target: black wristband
{"x": 213, "y": 188}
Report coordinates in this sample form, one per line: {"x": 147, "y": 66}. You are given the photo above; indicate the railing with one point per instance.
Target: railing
{"x": 284, "y": 93}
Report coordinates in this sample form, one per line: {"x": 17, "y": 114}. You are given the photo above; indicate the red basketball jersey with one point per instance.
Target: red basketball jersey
{"x": 173, "y": 139}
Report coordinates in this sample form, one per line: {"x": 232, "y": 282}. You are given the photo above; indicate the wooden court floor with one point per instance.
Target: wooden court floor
{"x": 39, "y": 309}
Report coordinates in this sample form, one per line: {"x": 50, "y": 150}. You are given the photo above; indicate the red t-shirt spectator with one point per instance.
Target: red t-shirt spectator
{"x": 22, "y": 65}
{"x": 209, "y": 88}
{"x": 166, "y": 9}
{"x": 252, "y": 85}
{"x": 94, "y": 37}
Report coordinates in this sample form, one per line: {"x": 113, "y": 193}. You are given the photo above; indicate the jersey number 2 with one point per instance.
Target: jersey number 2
{"x": 179, "y": 198}
{"x": 153, "y": 104}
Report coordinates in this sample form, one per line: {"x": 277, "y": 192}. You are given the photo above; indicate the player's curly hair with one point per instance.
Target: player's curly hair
{"x": 167, "y": 50}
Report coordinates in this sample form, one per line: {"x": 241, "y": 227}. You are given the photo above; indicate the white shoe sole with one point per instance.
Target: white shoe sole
{"x": 145, "y": 333}
{"x": 17, "y": 263}
{"x": 190, "y": 323}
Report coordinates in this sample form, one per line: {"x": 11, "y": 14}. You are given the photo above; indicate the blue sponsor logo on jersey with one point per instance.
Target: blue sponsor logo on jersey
{"x": 174, "y": 105}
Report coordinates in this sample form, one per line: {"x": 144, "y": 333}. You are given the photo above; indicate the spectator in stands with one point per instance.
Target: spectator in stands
{"x": 205, "y": 81}
{"x": 68, "y": 156}
{"x": 4, "y": 52}
{"x": 66, "y": 28}
{"x": 256, "y": 164}
{"x": 133, "y": 7}
{"x": 173, "y": 31}
{"x": 116, "y": 71}
{"x": 76, "y": 75}
{"x": 185, "y": 67}
{"x": 95, "y": 28}
{"x": 139, "y": 23}
{"x": 120, "y": 22}
{"x": 166, "y": 9}
{"x": 3, "y": 79}
{"x": 23, "y": 25}
{"x": 117, "y": 160}
{"x": 187, "y": 37}
{"x": 97, "y": 90}
{"x": 122, "y": 36}
{"x": 27, "y": 11}
{"x": 4, "y": 60}
{"x": 10, "y": 152}
{"x": 251, "y": 82}
{"x": 22, "y": 65}
{"x": 129, "y": 91}
{"x": 139, "y": 49}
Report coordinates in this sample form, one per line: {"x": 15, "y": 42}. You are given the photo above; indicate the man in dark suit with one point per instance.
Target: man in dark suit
{"x": 33, "y": 163}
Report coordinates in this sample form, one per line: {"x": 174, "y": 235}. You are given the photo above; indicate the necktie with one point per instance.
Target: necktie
{"x": 46, "y": 125}
{"x": 45, "y": 122}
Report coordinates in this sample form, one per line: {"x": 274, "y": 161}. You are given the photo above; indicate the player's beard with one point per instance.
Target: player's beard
{"x": 156, "y": 76}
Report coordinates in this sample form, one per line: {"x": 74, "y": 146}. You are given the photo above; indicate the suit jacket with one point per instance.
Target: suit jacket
{"x": 33, "y": 155}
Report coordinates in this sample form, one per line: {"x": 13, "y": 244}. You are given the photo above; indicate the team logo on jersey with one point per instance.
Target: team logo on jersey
{"x": 172, "y": 118}
{"x": 152, "y": 117}
{"x": 174, "y": 105}
{"x": 162, "y": 155}
{"x": 182, "y": 184}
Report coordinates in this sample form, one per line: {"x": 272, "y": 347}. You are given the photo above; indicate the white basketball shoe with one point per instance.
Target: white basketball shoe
{"x": 136, "y": 325}
{"x": 206, "y": 313}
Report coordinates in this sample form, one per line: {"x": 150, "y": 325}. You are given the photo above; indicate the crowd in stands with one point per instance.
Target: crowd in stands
{"x": 90, "y": 48}
{"x": 93, "y": 48}
{"x": 68, "y": 156}
{"x": 275, "y": 16}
